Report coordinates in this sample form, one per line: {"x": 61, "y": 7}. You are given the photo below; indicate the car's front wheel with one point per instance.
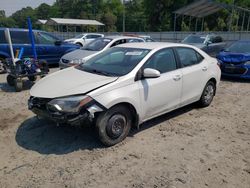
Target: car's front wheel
{"x": 114, "y": 125}
{"x": 207, "y": 94}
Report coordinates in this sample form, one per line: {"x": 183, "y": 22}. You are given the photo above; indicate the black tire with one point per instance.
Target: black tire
{"x": 2, "y": 67}
{"x": 11, "y": 80}
{"x": 18, "y": 84}
{"x": 32, "y": 78}
{"x": 113, "y": 125}
{"x": 207, "y": 94}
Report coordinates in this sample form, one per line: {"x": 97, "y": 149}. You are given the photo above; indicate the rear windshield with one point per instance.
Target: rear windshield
{"x": 194, "y": 39}
{"x": 97, "y": 45}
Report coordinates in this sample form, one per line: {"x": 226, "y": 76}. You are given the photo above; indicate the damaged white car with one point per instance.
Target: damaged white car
{"x": 125, "y": 86}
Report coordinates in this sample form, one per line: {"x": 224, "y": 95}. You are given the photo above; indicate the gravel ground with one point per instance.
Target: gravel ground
{"x": 190, "y": 147}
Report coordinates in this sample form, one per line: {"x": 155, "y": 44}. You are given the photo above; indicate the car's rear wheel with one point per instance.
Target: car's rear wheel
{"x": 114, "y": 125}
{"x": 207, "y": 94}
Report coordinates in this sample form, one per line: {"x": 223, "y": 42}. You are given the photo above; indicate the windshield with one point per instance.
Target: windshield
{"x": 239, "y": 47}
{"x": 97, "y": 45}
{"x": 194, "y": 39}
{"x": 79, "y": 36}
{"x": 117, "y": 61}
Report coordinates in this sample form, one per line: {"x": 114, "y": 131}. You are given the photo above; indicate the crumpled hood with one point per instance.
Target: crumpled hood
{"x": 234, "y": 57}
{"x": 78, "y": 54}
{"x": 70, "y": 81}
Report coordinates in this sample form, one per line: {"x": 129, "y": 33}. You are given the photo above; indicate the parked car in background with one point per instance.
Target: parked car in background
{"x": 91, "y": 49}
{"x": 48, "y": 47}
{"x": 147, "y": 38}
{"x": 235, "y": 60}
{"x": 125, "y": 86}
{"x": 212, "y": 44}
{"x": 84, "y": 38}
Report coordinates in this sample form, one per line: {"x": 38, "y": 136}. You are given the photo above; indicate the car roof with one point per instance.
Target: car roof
{"x": 153, "y": 45}
{"x": 20, "y": 29}
{"x": 121, "y": 37}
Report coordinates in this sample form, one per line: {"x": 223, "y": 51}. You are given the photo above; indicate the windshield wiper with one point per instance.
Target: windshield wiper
{"x": 98, "y": 72}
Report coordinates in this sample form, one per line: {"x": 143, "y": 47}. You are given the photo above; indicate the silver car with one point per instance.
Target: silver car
{"x": 95, "y": 47}
{"x": 125, "y": 86}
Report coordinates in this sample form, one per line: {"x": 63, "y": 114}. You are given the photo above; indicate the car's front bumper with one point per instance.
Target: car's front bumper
{"x": 85, "y": 116}
{"x": 236, "y": 71}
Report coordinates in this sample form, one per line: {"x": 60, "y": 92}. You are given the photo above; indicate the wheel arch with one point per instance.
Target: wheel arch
{"x": 132, "y": 109}
{"x": 215, "y": 83}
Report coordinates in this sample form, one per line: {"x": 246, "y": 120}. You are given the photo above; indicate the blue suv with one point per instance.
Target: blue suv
{"x": 48, "y": 47}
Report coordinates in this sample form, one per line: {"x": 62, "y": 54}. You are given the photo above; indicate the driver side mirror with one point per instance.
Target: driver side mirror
{"x": 58, "y": 42}
{"x": 151, "y": 73}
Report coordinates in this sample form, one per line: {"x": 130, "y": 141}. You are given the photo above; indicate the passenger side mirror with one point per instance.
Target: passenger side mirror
{"x": 151, "y": 73}
{"x": 58, "y": 42}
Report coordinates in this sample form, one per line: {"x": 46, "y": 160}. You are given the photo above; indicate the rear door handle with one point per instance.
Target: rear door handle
{"x": 177, "y": 77}
{"x": 204, "y": 68}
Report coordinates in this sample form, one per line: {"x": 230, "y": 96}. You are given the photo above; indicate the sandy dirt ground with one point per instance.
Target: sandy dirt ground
{"x": 190, "y": 147}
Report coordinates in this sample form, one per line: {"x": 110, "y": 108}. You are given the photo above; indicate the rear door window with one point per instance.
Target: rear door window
{"x": 188, "y": 56}
{"x": 20, "y": 37}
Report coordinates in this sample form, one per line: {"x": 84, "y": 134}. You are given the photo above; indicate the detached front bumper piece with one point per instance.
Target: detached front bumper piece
{"x": 85, "y": 116}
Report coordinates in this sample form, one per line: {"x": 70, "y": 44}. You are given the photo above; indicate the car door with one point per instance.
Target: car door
{"x": 194, "y": 74}
{"x": 162, "y": 94}
{"x": 47, "y": 48}
{"x": 20, "y": 39}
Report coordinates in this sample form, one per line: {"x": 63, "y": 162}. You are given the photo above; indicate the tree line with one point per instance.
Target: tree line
{"x": 140, "y": 15}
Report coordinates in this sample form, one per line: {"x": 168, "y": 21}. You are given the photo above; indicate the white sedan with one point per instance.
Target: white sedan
{"x": 125, "y": 86}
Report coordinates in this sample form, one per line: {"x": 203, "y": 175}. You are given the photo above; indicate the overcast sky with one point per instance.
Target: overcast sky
{"x": 11, "y": 6}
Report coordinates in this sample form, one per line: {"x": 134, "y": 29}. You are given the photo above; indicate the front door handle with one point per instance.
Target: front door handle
{"x": 204, "y": 68}
{"x": 177, "y": 77}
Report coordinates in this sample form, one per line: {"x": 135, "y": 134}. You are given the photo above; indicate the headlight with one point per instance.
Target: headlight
{"x": 77, "y": 61}
{"x": 68, "y": 104}
{"x": 247, "y": 63}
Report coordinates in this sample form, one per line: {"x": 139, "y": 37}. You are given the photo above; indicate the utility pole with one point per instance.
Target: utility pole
{"x": 231, "y": 17}
{"x": 123, "y": 17}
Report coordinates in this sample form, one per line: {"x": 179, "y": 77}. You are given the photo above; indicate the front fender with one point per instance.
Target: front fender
{"x": 129, "y": 94}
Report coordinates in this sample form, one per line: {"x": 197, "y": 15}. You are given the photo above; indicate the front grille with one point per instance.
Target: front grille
{"x": 233, "y": 70}
{"x": 65, "y": 61}
{"x": 39, "y": 102}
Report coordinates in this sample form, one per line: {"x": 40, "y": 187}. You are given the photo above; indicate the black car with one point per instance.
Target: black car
{"x": 212, "y": 44}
